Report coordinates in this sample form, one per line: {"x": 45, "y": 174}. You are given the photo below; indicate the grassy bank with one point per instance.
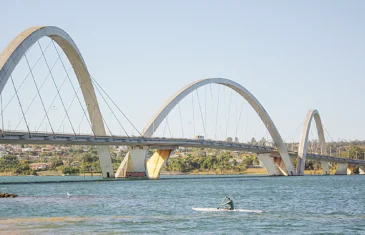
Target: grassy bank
{"x": 317, "y": 172}
{"x": 250, "y": 171}
{"x": 59, "y": 173}
{"x": 51, "y": 173}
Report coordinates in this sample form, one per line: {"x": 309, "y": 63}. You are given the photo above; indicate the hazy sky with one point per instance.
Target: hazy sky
{"x": 292, "y": 55}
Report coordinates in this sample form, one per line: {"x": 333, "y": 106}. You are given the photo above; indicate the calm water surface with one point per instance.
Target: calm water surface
{"x": 292, "y": 205}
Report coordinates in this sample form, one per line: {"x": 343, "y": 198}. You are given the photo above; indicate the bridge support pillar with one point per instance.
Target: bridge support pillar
{"x": 281, "y": 166}
{"x": 341, "y": 169}
{"x": 133, "y": 164}
{"x": 325, "y": 167}
{"x": 106, "y": 164}
{"x": 350, "y": 170}
{"x": 156, "y": 162}
{"x": 269, "y": 164}
{"x": 300, "y": 165}
{"x": 362, "y": 170}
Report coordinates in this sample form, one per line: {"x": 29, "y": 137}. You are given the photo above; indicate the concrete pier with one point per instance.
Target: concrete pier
{"x": 350, "y": 169}
{"x": 325, "y": 167}
{"x": 341, "y": 169}
{"x": 133, "y": 164}
{"x": 362, "y": 170}
{"x": 156, "y": 162}
{"x": 269, "y": 164}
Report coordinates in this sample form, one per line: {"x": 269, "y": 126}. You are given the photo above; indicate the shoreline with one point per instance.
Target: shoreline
{"x": 256, "y": 171}
{"x": 248, "y": 171}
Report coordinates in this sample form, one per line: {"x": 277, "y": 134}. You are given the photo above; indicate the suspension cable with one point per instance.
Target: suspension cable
{"x": 125, "y": 116}
{"x": 58, "y": 91}
{"x": 20, "y": 104}
{"x": 328, "y": 143}
{"x": 35, "y": 96}
{"x": 164, "y": 129}
{"x": 97, "y": 87}
{"x": 236, "y": 114}
{"x": 73, "y": 87}
{"x": 229, "y": 109}
{"x": 79, "y": 126}
{"x": 246, "y": 117}
{"x": 102, "y": 96}
{"x": 239, "y": 117}
{"x": 291, "y": 136}
{"x": 68, "y": 109}
{"x": 39, "y": 94}
{"x": 192, "y": 101}
{"x": 54, "y": 99}
{"x": 313, "y": 139}
{"x": 224, "y": 104}
{"x": 2, "y": 115}
{"x": 21, "y": 84}
{"x": 212, "y": 107}
{"x": 95, "y": 101}
{"x": 205, "y": 107}
{"x": 168, "y": 126}
{"x": 112, "y": 112}
{"x": 201, "y": 113}
{"x": 216, "y": 116}
{"x": 332, "y": 139}
{"x": 182, "y": 128}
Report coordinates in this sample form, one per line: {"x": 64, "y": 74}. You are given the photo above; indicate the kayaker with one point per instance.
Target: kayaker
{"x": 229, "y": 203}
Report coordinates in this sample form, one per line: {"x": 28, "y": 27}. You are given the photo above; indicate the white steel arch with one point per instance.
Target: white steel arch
{"x": 15, "y": 50}
{"x": 303, "y": 144}
{"x": 182, "y": 93}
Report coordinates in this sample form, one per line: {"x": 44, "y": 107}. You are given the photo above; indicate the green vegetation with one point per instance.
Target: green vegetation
{"x": 9, "y": 163}
{"x": 70, "y": 170}
{"x": 67, "y": 160}
{"x": 223, "y": 162}
{"x": 345, "y": 149}
{"x": 70, "y": 160}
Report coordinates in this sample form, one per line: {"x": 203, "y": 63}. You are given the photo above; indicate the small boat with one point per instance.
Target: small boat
{"x": 220, "y": 210}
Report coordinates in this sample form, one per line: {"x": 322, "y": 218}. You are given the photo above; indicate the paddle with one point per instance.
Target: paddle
{"x": 221, "y": 203}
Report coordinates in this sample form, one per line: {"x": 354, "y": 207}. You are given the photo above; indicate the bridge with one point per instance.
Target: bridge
{"x": 276, "y": 160}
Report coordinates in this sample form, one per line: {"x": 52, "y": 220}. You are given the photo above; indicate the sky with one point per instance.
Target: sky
{"x": 291, "y": 55}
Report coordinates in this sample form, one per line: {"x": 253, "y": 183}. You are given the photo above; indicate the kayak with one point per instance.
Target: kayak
{"x": 235, "y": 210}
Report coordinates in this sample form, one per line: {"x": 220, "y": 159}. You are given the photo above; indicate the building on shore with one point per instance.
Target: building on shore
{"x": 39, "y": 166}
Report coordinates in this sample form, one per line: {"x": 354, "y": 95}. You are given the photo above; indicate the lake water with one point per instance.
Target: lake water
{"x": 292, "y": 205}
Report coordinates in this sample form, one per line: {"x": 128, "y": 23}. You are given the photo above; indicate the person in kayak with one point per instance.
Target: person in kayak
{"x": 229, "y": 203}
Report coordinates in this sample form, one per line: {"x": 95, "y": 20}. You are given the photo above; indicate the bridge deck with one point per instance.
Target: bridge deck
{"x": 154, "y": 143}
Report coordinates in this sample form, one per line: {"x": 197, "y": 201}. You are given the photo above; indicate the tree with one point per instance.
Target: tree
{"x": 253, "y": 141}
{"x": 89, "y": 158}
{"x": 55, "y": 163}
{"x": 8, "y": 162}
{"x": 309, "y": 165}
{"x": 66, "y": 170}
{"x": 247, "y": 161}
{"x": 70, "y": 170}
{"x": 262, "y": 142}
{"x": 356, "y": 152}
{"x": 229, "y": 139}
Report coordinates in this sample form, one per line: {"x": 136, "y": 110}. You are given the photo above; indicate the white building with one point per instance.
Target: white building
{"x": 27, "y": 149}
